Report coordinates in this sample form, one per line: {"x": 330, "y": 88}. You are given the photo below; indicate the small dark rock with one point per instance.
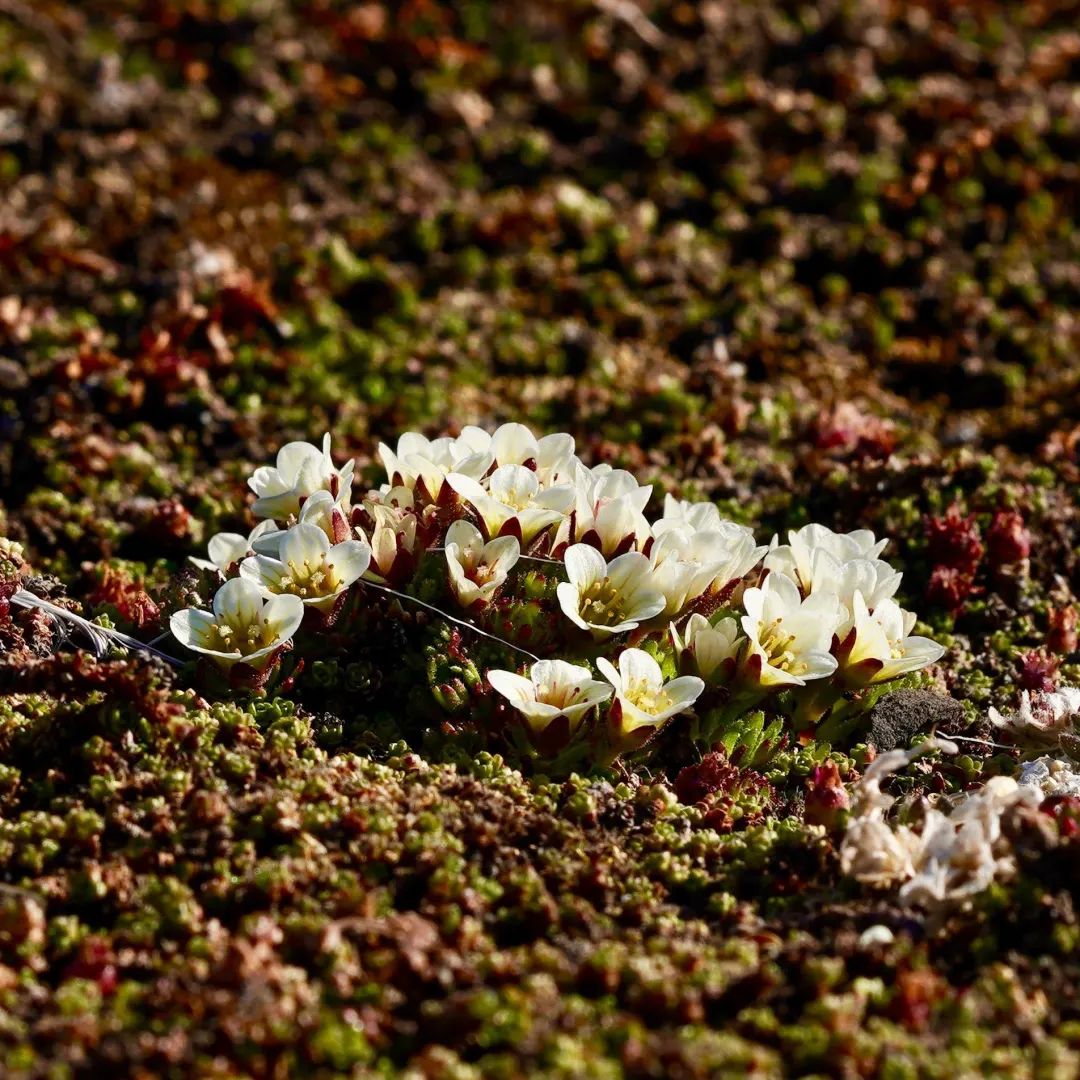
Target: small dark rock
{"x": 12, "y": 375}
{"x": 897, "y": 716}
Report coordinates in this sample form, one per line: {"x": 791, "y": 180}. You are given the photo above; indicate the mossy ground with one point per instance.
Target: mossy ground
{"x": 812, "y": 261}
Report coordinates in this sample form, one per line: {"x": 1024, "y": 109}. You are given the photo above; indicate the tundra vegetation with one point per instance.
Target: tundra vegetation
{"x": 599, "y": 482}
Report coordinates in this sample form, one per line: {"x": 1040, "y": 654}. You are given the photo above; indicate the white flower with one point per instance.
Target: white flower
{"x": 607, "y": 511}
{"x": 645, "y": 700}
{"x": 396, "y": 545}
{"x": 796, "y": 558}
{"x": 226, "y": 548}
{"x": 876, "y": 853}
{"x": 554, "y": 688}
{"x": 734, "y": 548}
{"x": 683, "y": 566}
{"x": 878, "y": 647}
{"x": 515, "y": 444}
{"x": 689, "y": 516}
{"x": 319, "y": 509}
{"x": 556, "y": 459}
{"x": 607, "y": 598}
{"x": 602, "y": 482}
{"x": 427, "y": 461}
{"x": 550, "y": 457}
{"x": 619, "y": 524}
{"x": 789, "y": 637}
{"x": 309, "y": 567}
{"x": 710, "y": 647}
{"x": 424, "y": 464}
{"x": 300, "y": 470}
{"x": 477, "y": 569}
{"x": 874, "y": 578}
{"x": 244, "y": 627}
{"x": 514, "y": 504}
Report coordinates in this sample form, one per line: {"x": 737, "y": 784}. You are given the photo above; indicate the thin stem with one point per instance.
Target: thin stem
{"x": 451, "y": 618}
{"x": 527, "y": 558}
{"x": 982, "y": 742}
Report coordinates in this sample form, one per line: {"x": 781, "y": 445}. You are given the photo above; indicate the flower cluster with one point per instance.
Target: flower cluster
{"x": 650, "y": 618}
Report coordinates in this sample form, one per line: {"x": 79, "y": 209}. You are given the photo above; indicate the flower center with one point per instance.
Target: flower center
{"x": 601, "y": 604}
{"x": 648, "y": 699}
{"x": 517, "y": 499}
{"x": 244, "y": 638}
{"x": 562, "y": 697}
{"x": 309, "y": 582}
{"x": 776, "y": 643}
{"x": 482, "y": 573}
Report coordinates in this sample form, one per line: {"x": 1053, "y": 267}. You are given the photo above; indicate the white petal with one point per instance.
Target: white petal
{"x": 466, "y": 486}
{"x": 304, "y": 545}
{"x": 270, "y": 542}
{"x": 191, "y": 626}
{"x": 318, "y": 504}
{"x": 819, "y": 665}
{"x": 556, "y": 453}
{"x": 646, "y": 603}
{"x": 238, "y": 600}
{"x": 513, "y": 485}
{"x": 264, "y": 528}
{"x": 502, "y": 554}
{"x": 783, "y": 589}
{"x": 585, "y": 565}
{"x": 266, "y": 480}
{"x": 628, "y": 571}
{"x": 390, "y": 462}
{"x": 558, "y": 674}
{"x": 683, "y": 692}
{"x": 753, "y": 605}
{"x": 559, "y": 498}
{"x": 226, "y": 548}
{"x": 284, "y": 614}
{"x": 277, "y": 506}
{"x": 514, "y": 444}
{"x": 919, "y": 652}
{"x": 617, "y": 520}
{"x": 515, "y": 688}
{"x": 475, "y": 439}
{"x": 533, "y": 521}
{"x": 570, "y": 603}
{"x": 465, "y": 536}
{"x": 637, "y": 666}
{"x": 432, "y": 474}
{"x": 350, "y": 559}
{"x": 609, "y": 671}
{"x": 293, "y": 457}
{"x": 474, "y": 465}
{"x": 264, "y": 571}
{"x": 466, "y": 591}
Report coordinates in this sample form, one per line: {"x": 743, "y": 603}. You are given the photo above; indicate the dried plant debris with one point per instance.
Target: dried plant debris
{"x": 693, "y": 277}
{"x": 953, "y": 855}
